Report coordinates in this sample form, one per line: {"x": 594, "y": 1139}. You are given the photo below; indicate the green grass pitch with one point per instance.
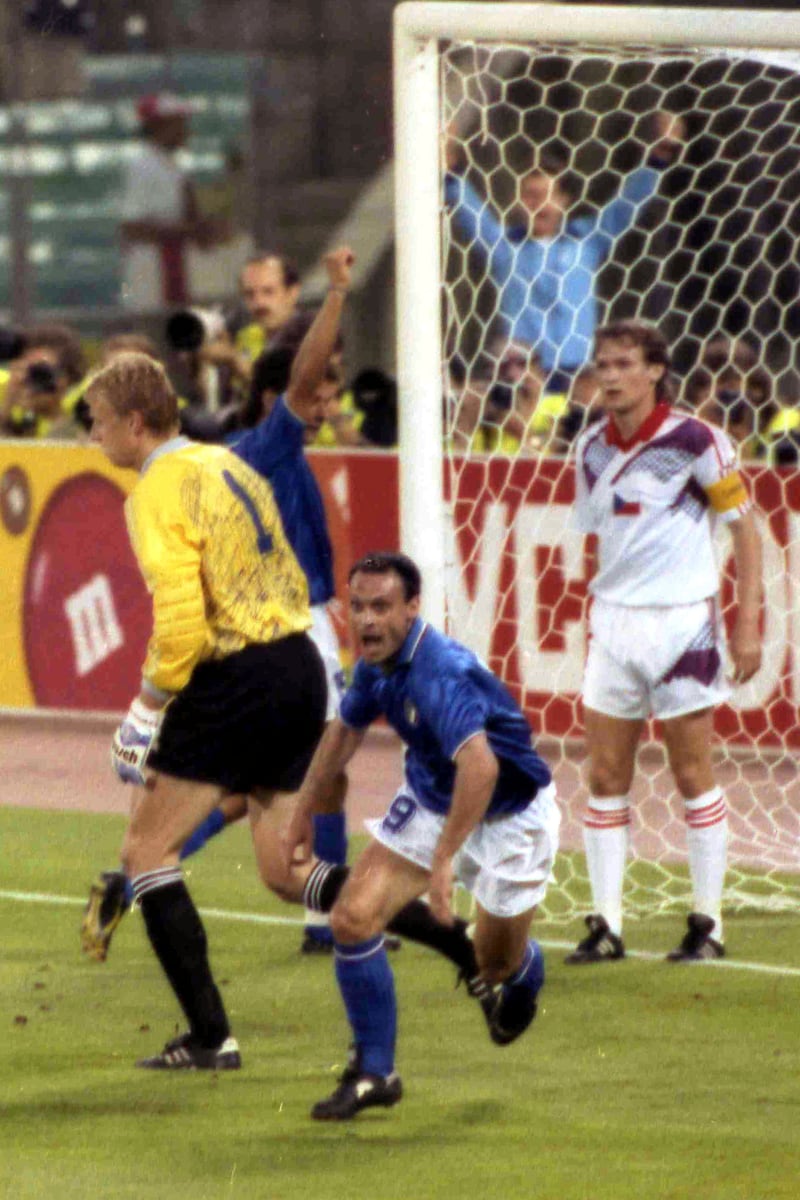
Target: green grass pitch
{"x": 640, "y": 1080}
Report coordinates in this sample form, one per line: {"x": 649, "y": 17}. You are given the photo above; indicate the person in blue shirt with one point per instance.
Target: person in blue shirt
{"x": 275, "y": 448}
{"x": 545, "y": 265}
{"x": 477, "y": 807}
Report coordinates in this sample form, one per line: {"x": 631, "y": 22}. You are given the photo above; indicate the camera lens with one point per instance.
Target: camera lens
{"x": 42, "y": 378}
{"x": 12, "y": 343}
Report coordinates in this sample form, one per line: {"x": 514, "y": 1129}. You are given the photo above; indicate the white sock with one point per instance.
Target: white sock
{"x": 707, "y": 840}
{"x": 316, "y": 920}
{"x": 605, "y": 836}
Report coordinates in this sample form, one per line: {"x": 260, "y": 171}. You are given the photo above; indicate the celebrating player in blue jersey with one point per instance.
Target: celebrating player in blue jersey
{"x": 275, "y": 449}
{"x": 477, "y": 806}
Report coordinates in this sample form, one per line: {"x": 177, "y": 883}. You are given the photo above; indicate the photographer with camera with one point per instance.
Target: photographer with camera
{"x": 36, "y": 399}
{"x": 269, "y": 290}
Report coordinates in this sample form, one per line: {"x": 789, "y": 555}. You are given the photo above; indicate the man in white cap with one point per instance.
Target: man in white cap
{"x": 159, "y": 212}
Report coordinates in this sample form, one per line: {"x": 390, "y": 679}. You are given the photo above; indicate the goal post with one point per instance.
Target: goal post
{"x": 420, "y": 29}
{"x": 417, "y": 220}
{"x": 708, "y": 248}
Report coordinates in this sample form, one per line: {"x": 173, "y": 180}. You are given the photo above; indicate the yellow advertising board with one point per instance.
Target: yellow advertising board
{"x": 74, "y": 613}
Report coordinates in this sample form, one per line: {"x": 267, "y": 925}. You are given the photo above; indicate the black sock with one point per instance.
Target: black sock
{"x": 177, "y": 935}
{"x": 417, "y": 923}
{"x": 323, "y": 886}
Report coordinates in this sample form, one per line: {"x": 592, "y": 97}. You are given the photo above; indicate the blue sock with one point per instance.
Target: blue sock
{"x": 330, "y": 845}
{"x": 330, "y": 837}
{"x": 367, "y": 985}
{"x": 128, "y": 892}
{"x": 213, "y": 824}
{"x": 530, "y": 976}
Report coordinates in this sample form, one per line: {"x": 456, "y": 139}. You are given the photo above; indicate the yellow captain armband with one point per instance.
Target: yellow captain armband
{"x": 727, "y": 493}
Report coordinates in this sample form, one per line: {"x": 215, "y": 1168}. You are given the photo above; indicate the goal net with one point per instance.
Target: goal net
{"x": 673, "y": 138}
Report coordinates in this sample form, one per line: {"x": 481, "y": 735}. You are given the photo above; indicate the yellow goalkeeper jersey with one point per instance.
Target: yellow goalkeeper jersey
{"x": 209, "y": 540}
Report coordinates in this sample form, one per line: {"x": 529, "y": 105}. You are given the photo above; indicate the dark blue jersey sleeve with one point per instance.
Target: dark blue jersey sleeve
{"x": 278, "y": 440}
{"x": 360, "y": 705}
{"x": 454, "y": 708}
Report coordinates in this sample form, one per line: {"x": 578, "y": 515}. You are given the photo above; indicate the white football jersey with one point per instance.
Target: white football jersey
{"x": 154, "y": 190}
{"x": 652, "y": 501}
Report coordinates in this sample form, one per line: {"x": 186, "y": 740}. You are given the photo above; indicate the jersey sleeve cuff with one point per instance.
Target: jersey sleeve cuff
{"x": 465, "y": 740}
{"x": 155, "y": 693}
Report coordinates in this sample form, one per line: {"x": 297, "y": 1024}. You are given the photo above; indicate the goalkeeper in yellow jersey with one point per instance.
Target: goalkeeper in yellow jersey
{"x": 233, "y": 693}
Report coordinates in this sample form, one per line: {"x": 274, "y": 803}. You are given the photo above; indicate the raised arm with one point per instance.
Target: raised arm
{"x": 312, "y": 358}
{"x": 666, "y": 135}
{"x": 471, "y": 212}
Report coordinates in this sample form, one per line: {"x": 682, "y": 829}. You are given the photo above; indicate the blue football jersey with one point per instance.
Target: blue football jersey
{"x": 437, "y": 694}
{"x": 275, "y": 449}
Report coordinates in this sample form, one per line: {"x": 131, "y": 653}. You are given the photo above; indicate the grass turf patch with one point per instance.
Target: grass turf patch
{"x": 638, "y": 1079}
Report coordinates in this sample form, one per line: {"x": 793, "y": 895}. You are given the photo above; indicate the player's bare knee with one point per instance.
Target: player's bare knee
{"x": 608, "y": 778}
{"x": 693, "y": 779}
{"x": 285, "y": 884}
{"x": 352, "y": 922}
{"x": 140, "y": 854}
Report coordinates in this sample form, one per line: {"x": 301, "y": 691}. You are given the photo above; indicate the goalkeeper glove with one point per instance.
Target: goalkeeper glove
{"x": 133, "y": 741}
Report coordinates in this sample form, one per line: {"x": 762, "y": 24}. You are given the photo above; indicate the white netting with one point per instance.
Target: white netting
{"x": 684, "y": 166}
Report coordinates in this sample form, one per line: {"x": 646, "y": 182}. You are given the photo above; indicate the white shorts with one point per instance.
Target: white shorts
{"x": 505, "y": 862}
{"x": 659, "y": 662}
{"x": 324, "y": 637}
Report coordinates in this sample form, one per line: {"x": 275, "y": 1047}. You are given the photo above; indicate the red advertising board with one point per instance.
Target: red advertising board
{"x": 518, "y": 589}
{"x": 517, "y": 585}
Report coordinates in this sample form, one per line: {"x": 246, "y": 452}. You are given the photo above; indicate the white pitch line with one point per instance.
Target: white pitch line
{"x": 221, "y": 913}
{"x": 251, "y": 918}
{"x": 718, "y": 964}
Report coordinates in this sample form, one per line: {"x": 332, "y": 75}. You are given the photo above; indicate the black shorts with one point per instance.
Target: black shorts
{"x": 251, "y": 720}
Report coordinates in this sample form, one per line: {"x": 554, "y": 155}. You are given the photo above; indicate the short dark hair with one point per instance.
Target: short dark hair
{"x": 650, "y": 339}
{"x": 270, "y": 374}
{"x": 289, "y": 268}
{"x": 381, "y": 562}
{"x": 720, "y": 352}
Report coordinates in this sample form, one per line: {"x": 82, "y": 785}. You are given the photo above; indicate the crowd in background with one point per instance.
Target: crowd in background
{"x": 221, "y": 367}
{"x": 503, "y": 404}
{"x": 510, "y": 399}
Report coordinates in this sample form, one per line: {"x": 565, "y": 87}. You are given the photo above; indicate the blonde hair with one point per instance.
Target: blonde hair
{"x": 134, "y": 382}
{"x": 125, "y": 343}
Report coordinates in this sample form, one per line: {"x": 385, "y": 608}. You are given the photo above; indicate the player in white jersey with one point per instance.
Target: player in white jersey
{"x": 652, "y": 481}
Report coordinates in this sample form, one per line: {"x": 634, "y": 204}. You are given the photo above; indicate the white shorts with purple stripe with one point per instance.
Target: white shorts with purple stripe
{"x": 505, "y": 862}
{"x": 658, "y": 661}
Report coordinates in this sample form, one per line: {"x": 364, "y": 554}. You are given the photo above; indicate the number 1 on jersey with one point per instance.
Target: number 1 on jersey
{"x": 263, "y": 538}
